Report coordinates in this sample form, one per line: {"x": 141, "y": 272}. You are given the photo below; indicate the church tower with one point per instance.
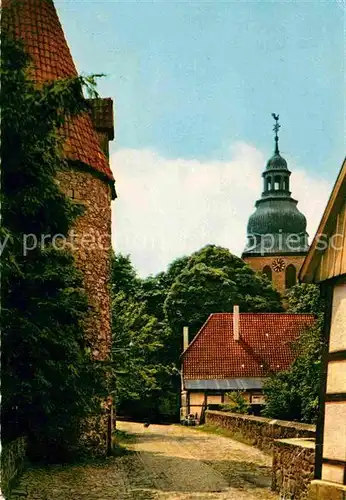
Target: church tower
{"x": 277, "y": 241}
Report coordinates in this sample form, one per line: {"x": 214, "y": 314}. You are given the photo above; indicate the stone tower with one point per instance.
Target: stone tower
{"x": 277, "y": 241}
{"x": 89, "y": 180}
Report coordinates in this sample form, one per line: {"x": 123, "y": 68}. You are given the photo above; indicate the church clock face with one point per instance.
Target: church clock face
{"x": 278, "y": 265}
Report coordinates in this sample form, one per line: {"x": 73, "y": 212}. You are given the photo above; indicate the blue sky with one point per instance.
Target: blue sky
{"x": 192, "y": 80}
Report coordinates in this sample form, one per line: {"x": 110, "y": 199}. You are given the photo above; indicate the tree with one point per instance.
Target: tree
{"x": 48, "y": 381}
{"x": 214, "y": 280}
{"x": 143, "y": 388}
{"x": 236, "y": 403}
{"x": 134, "y": 347}
{"x": 124, "y": 278}
{"x": 293, "y": 394}
{"x": 305, "y": 298}
{"x": 210, "y": 280}
{"x": 154, "y": 289}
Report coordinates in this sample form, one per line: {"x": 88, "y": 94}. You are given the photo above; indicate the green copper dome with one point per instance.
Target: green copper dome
{"x": 275, "y": 215}
{"x": 276, "y": 162}
{"x": 276, "y": 226}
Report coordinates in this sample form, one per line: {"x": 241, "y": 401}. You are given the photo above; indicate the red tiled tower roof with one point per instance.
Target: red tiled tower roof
{"x": 265, "y": 345}
{"x": 37, "y": 24}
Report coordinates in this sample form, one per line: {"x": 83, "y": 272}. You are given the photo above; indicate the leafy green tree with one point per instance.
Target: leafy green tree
{"x": 210, "y": 280}
{"x": 236, "y": 403}
{"x": 48, "y": 381}
{"x": 214, "y": 280}
{"x": 153, "y": 291}
{"x": 305, "y": 298}
{"x": 124, "y": 277}
{"x": 144, "y": 387}
{"x": 293, "y": 394}
{"x": 134, "y": 347}
{"x": 155, "y": 288}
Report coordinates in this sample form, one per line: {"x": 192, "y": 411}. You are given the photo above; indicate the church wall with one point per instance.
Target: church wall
{"x": 91, "y": 243}
{"x": 278, "y": 278}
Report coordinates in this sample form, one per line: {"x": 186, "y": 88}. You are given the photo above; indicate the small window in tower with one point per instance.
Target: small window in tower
{"x": 269, "y": 184}
{"x": 277, "y": 182}
{"x": 285, "y": 184}
{"x": 291, "y": 276}
{"x": 268, "y": 272}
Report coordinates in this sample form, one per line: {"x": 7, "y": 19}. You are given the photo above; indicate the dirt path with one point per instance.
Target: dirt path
{"x": 185, "y": 464}
{"x": 164, "y": 463}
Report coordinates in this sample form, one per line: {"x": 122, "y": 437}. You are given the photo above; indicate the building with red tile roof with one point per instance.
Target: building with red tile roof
{"x": 235, "y": 351}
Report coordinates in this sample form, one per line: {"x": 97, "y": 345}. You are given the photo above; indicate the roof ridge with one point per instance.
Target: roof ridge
{"x": 264, "y": 313}
{"x": 265, "y": 345}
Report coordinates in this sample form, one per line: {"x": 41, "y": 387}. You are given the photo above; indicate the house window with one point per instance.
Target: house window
{"x": 268, "y": 272}
{"x": 258, "y": 399}
{"x": 291, "y": 276}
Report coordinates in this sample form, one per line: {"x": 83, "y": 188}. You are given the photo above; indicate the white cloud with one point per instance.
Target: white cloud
{"x": 169, "y": 208}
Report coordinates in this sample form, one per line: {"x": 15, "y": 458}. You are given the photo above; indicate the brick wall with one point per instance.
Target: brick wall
{"x": 92, "y": 249}
{"x": 91, "y": 246}
{"x": 258, "y": 431}
{"x": 278, "y": 278}
{"x": 293, "y": 467}
{"x": 12, "y": 462}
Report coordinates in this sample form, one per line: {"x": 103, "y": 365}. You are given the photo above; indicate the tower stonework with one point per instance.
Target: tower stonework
{"x": 88, "y": 180}
{"x": 277, "y": 241}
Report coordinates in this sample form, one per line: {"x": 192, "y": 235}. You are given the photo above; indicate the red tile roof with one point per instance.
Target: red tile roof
{"x": 264, "y": 345}
{"x": 36, "y": 23}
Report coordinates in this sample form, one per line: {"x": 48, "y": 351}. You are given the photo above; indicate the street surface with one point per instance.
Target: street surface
{"x": 164, "y": 462}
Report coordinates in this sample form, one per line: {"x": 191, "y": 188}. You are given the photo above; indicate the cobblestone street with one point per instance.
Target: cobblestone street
{"x": 163, "y": 463}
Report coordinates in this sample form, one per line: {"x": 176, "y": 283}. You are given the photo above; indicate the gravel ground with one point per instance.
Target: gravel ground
{"x": 163, "y": 463}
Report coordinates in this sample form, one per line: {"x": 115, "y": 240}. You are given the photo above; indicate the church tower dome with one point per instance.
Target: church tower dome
{"x": 277, "y": 227}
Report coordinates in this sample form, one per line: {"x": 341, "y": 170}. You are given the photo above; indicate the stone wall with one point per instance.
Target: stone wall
{"x": 293, "y": 467}
{"x": 12, "y": 462}
{"x": 91, "y": 242}
{"x": 95, "y": 438}
{"x": 258, "y": 431}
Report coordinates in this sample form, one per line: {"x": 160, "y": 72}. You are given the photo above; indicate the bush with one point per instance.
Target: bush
{"x": 236, "y": 403}
{"x": 293, "y": 394}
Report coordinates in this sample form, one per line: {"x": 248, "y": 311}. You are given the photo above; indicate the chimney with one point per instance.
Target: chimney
{"x": 236, "y": 334}
{"x": 103, "y": 121}
{"x": 185, "y": 337}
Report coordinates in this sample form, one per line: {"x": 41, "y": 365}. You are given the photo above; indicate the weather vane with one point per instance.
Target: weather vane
{"x": 276, "y": 130}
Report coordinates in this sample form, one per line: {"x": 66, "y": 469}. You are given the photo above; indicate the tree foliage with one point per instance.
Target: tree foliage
{"x": 214, "y": 280}
{"x": 124, "y": 278}
{"x": 154, "y": 289}
{"x": 48, "y": 381}
{"x": 236, "y": 403}
{"x": 155, "y": 310}
{"x": 305, "y": 298}
{"x": 134, "y": 349}
{"x": 293, "y": 394}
